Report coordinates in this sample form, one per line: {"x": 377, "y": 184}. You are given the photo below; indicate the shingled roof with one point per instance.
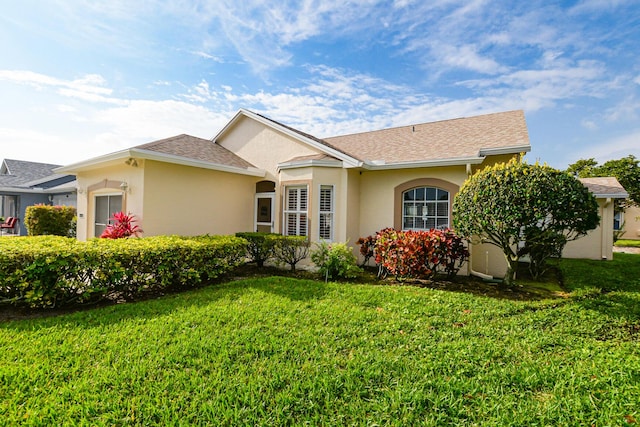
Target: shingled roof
{"x": 192, "y": 147}
{"x": 447, "y": 139}
{"x": 19, "y": 173}
{"x": 605, "y": 187}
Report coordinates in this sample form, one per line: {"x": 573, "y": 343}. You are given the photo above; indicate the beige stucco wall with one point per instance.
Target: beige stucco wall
{"x": 598, "y": 243}
{"x": 191, "y": 201}
{"x": 631, "y": 219}
{"x": 92, "y": 183}
{"x": 377, "y": 193}
{"x": 263, "y": 146}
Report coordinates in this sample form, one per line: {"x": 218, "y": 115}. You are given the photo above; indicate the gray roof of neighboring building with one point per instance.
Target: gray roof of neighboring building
{"x": 21, "y": 173}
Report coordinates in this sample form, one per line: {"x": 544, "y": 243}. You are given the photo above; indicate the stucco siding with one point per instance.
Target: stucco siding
{"x": 598, "y": 243}
{"x": 191, "y": 201}
{"x": 107, "y": 181}
{"x": 263, "y": 146}
{"x": 631, "y": 220}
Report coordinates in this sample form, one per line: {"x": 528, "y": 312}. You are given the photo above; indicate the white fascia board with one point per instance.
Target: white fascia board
{"x": 73, "y": 168}
{"x": 21, "y": 190}
{"x": 459, "y": 161}
{"x": 348, "y": 160}
{"x": 610, "y": 196}
{"x": 309, "y": 163}
{"x": 515, "y": 149}
{"x": 187, "y": 161}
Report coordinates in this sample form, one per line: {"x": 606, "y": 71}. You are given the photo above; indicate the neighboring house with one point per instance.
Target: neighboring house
{"x": 628, "y": 223}
{"x": 25, "y": 184}
{"x": 258, "y": 174}
{"x": 605, "y": 189}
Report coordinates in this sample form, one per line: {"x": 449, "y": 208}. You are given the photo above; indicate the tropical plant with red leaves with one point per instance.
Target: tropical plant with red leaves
{"x": 418, "y": 253}
{"x": 122, "y": 226}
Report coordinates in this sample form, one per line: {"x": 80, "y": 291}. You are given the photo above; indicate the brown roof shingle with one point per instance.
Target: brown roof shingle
{"x": 447, "y": 139}
{"x": 196, "y": 148}
{"x": 605, "y": 186}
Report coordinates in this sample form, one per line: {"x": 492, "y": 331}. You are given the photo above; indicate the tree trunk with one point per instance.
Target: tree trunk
{"x": 512, "y": 267}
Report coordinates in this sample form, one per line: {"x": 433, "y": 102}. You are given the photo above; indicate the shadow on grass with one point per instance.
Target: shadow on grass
{"x": 295, "y": 286}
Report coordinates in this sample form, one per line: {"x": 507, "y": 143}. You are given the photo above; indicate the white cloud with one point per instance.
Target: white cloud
{"x": 616, "y": 148}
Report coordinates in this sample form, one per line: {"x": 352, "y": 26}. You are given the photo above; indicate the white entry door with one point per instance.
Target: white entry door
{"x": 264, "y": 212}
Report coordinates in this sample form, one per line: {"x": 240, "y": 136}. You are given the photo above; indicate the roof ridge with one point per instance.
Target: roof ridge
{"x": 424, "y": 123}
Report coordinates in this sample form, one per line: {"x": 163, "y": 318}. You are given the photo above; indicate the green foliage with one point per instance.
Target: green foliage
{"x": 48, "y": 271}
{"x": 290, "y": 250}
{"x": 260, "y": 247}
{"x": 335, "y": 261}
{"x": 50, "y": 220}
{"x": 626, "y": 170}
{"x": 286, "y": 352}
{"x": 419, "y": 253}
{"x": 510, "y": 202}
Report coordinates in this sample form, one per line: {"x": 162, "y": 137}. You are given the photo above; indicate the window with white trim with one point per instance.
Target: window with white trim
{"x": 618, "y": 221}
{"x": 295, "y": 210}
{"x": 325, "y": 223}
{"x": 424, "y": 208}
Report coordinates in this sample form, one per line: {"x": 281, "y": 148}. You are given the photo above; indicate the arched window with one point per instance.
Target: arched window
{"x": 424, "y": 208}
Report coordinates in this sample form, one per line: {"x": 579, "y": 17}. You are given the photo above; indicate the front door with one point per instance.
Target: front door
{"x": 263, "y": 214}
{"x": 106, "y": 206}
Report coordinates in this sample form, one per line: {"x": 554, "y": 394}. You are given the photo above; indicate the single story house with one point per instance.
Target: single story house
{"x": 259, "y": 174}
{"x": 627, "y": 223}
{"x": 25, "y": 184}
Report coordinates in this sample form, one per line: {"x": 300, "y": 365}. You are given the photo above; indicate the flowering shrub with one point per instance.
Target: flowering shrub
{"x": 411, "y": 253}
{"x": 121, "y": 227}
{"x": 335, "y": 261}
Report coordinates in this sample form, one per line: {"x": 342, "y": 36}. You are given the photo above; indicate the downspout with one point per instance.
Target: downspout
{"x": 470, "y": 269}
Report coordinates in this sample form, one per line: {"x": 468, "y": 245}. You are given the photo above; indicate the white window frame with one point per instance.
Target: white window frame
{"x": 620, "y": 220}
{"x": 297, "y": 211}
{"x": 326, "y": 216}
{"x": 426, "y": 203}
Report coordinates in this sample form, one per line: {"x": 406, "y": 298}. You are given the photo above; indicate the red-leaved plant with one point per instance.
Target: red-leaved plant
{"x": 415, "y": 253}
{"x": 122, "y": 226}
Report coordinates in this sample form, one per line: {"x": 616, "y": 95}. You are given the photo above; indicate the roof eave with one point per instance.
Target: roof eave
{"x": 611, "y": 195}
{"x": 309, "y": 163}
{"x": 458, "y": 161}
{"x": 73, "y": 169}
{"x": 348, "y": 160}
{"x": 514, "y": 149}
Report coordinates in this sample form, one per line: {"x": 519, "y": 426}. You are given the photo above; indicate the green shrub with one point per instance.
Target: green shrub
{"x": 53, "y": 220}
{"x": 260, "y": 246}
{"x": 48, "y": 271}
{"x": 335, "y": 261}
{"x": 291, "y": 250}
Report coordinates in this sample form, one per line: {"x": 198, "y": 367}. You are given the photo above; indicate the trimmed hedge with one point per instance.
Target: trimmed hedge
{"x": 54, "y": 220}
{"x": 48, "y": 271}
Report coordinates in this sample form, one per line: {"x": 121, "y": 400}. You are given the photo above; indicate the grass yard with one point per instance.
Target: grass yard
{"x": 288, "y": 351}
{"x": 628, "y": 243}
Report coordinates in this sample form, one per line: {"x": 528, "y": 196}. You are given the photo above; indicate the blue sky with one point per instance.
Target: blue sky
{"x": 84, "y": 78}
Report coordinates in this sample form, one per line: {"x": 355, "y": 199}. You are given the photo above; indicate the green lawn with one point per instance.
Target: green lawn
{"x": 628, "y": 243}
{"x": 285, "y": 351}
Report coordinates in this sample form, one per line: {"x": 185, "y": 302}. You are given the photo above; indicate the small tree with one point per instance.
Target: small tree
{"x": 291, "y": 250}
{"x": 509, "y": 203}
